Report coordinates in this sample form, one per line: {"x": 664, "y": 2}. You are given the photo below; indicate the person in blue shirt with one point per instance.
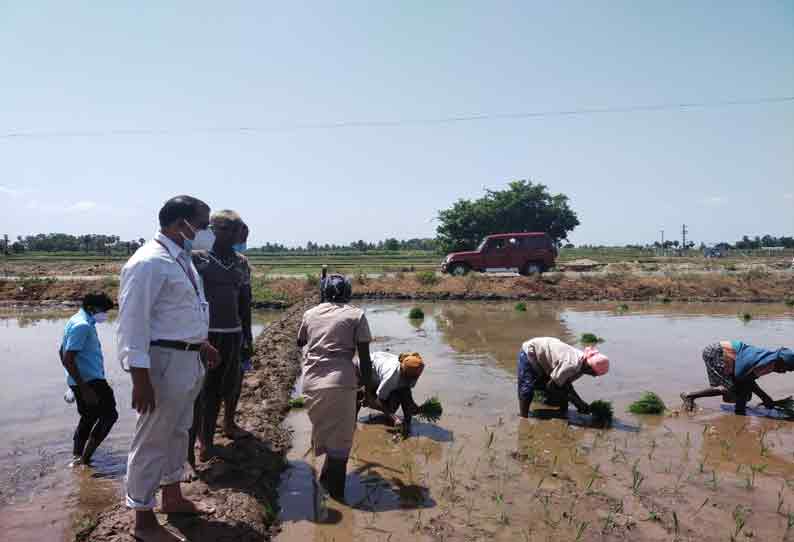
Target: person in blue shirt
{"x": 733, "y": 367}
{"x": 81, "y": 356}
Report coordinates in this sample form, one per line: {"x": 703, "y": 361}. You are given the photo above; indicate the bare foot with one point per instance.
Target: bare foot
{"x": 235, "y": 432}
{"x": 157, "y": 534}
{"x": 689, "y": 403}
{"x": 185, "y": 506}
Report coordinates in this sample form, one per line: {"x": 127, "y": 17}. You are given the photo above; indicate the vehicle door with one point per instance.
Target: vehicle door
{"x": 516, "y": 253}
{"x": 496, "y": 254}
{"x": 533, "y": 250}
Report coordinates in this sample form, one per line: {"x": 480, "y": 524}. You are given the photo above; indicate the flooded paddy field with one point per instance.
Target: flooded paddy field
{"x": 41, "y": 498}
{"x": 481, "y": 473}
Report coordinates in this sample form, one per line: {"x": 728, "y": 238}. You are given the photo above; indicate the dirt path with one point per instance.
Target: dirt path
{"x": 750, "y": 286}
{"x": 243, "y": 488}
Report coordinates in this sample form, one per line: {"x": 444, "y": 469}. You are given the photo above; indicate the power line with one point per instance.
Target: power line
{"x": 116, "y": 132}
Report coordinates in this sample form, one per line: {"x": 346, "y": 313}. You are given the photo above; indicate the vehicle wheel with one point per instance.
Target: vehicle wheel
{"x": 458, "y": 269}
{"x": 532, "y": 268}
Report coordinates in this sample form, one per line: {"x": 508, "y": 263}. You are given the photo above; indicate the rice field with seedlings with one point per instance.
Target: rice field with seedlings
{"x": 649, "y": 403}
{"x": 480, "y": 473}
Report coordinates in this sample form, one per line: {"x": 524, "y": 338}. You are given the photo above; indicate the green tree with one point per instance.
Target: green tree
{"x": 523, "y": 206}
{"x": 391, "y": 244}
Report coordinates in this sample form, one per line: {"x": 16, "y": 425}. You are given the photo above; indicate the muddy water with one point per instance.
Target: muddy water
{"x": 40, "y": 497}
{"x": 480, "y": 473}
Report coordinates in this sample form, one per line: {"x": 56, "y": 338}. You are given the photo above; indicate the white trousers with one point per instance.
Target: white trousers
{"x": 159, "y": 446}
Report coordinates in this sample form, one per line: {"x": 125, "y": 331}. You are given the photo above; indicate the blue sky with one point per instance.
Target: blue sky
{"x": 191, "y": 67}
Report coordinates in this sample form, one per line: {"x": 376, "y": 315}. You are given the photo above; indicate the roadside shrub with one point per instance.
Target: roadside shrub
{"x": 790, "y": 302}
{"x": 745, "y": 317}
{"x": 312, "y": 280}
{"x": 521, "y": 306}
{"x": 416, "y": 313}
{"x": 622, "y": 308}
{"x": 648, "y": 403}
{"x": 426, "y": 278}
{"x": 589, "y": 339}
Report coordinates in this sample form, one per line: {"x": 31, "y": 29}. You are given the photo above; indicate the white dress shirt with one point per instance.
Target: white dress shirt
{"x": 157, "y": 301}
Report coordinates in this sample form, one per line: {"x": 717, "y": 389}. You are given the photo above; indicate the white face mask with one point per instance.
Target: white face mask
{"x": 101, "y": 317}
{"x": 202, "y": 240}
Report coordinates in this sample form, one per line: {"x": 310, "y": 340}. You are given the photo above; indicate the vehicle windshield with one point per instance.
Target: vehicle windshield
{"x": 482, "y": 245}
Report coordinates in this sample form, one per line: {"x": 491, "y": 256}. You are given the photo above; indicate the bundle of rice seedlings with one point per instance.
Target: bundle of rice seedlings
{"x": 649, "y": 403}
{"x": 521, "y": 306}
{"x": 430, "y": 410}
{"x": 602, "y": 412}
{"x": 786, "y": 407}
{"x": 297, "y": 402}
{"x": 416, "y": 314}
{"x": 590, "y": 339}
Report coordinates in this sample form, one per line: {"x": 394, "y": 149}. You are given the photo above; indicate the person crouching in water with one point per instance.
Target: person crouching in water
{"x": 390, "y": 386}
{"x": 732, "y": 368}
{"x": 548, "y": 364}
{"x": 332, "y": 333}
{"x": 81, "y": 356}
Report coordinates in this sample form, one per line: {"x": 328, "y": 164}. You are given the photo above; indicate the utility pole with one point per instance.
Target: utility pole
{"x": 683, "y": 236}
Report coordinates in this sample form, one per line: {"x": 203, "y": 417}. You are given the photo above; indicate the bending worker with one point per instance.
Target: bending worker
{"x": 732, "y": 368}
{"x": 390, "y": 385}
{"x": 332, "y": 333}
{"x": 548, "y": 364}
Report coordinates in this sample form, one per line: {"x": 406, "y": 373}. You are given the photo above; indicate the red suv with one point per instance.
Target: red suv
{"x": 525, "y": 253}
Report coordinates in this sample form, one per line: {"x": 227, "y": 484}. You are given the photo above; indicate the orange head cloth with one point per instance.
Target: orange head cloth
{"x": 596, "y": 360}
{"x": 412, "y": 364}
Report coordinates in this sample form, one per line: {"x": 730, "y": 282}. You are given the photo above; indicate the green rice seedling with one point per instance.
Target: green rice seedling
{"x": 590, "y": 339}
{"x": 580, "y": 531}
{"x": 739, "y": 521}
{"x": 540, "y": 397}
{"x": 701, "y": 507}
{"x": 602, "y": 412}
{"x": 521, "y": 306}
{"x": 431, "y": 410}
{"x": 780, "y": 502}
{"x": 297, "y": 402}
{"x": 745, "y": 317}
{"x": 416, "y": 313}
{"x": 648, "y": 403}
{"x": 636, "y": 477}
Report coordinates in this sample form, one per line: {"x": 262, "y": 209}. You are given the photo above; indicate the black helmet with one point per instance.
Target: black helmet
{"x": 336, "y": 288}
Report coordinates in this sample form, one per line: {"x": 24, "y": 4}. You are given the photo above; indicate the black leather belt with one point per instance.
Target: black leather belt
{"x": 177, "y": 345}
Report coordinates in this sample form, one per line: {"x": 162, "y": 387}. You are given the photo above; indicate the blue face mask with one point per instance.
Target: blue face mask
{"x": 240, "y": 247}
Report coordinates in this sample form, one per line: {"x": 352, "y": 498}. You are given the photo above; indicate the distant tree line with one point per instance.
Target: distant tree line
{"x": 109, "y": 244}
{"x": 388, "y": 245}
{"x": 64, "y": 242}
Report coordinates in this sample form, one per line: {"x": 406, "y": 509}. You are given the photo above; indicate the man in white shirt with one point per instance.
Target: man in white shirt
{"x": 162, "y": 338}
